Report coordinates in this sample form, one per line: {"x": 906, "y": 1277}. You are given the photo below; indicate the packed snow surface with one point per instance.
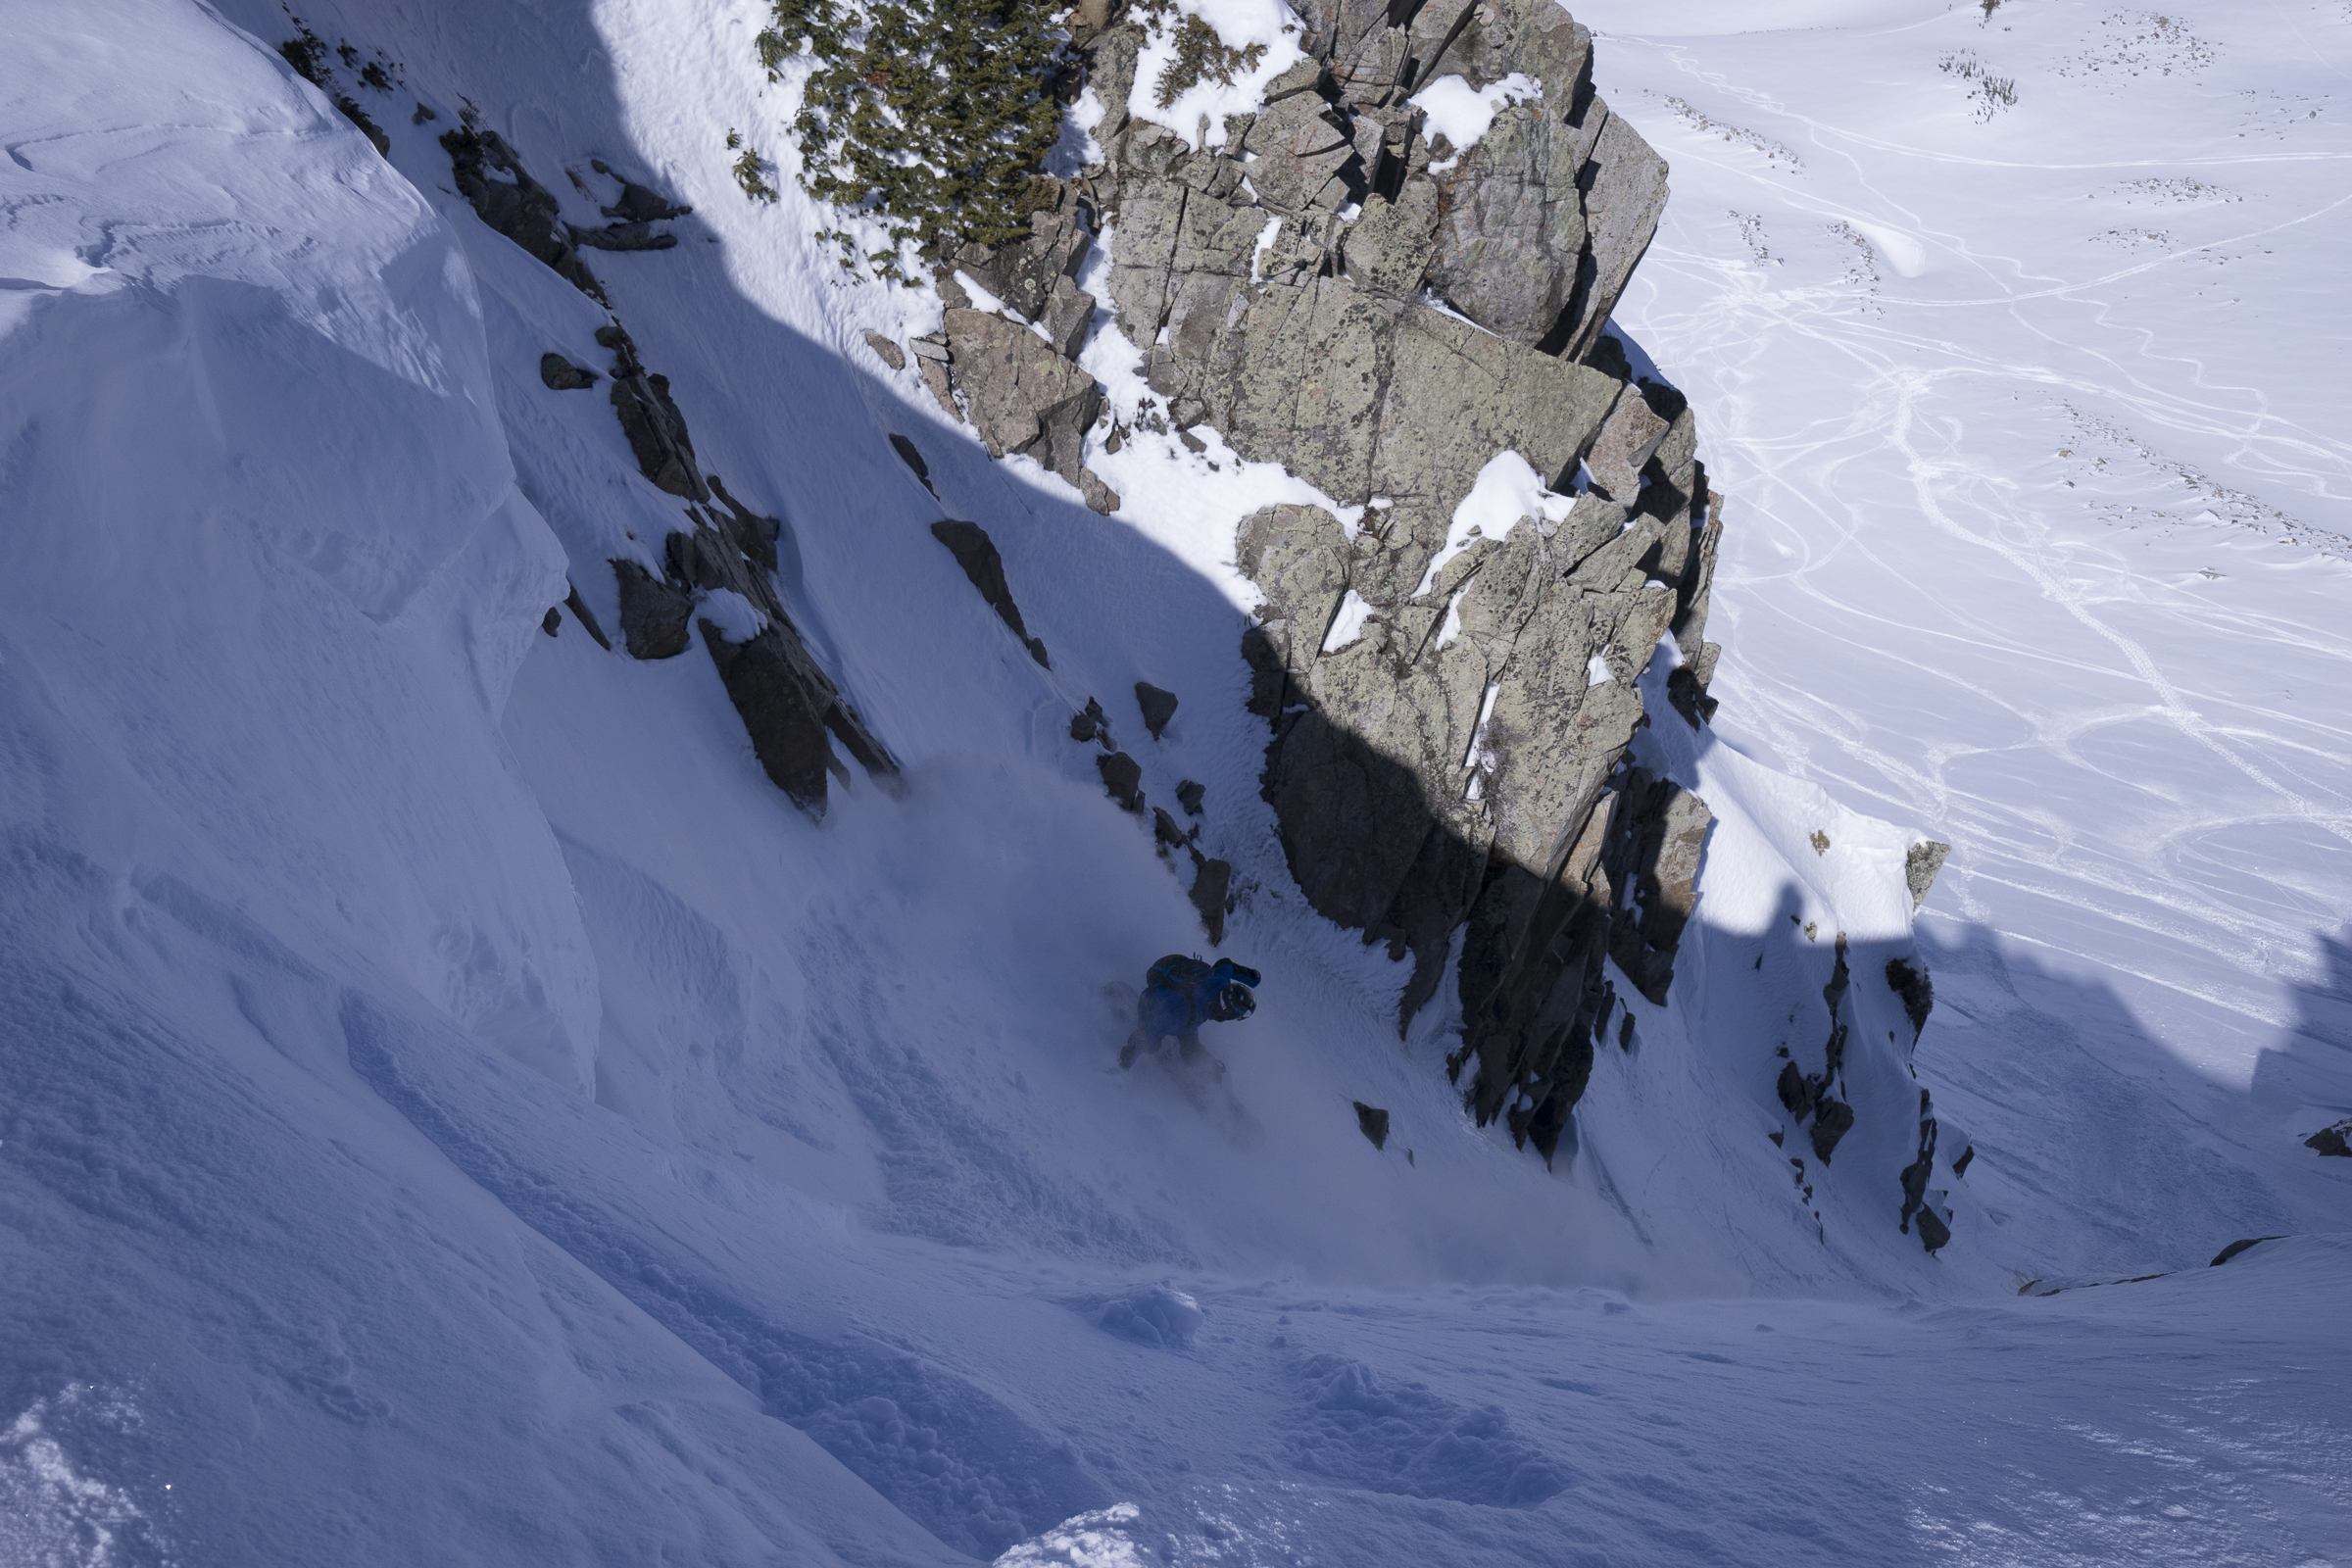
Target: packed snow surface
{"x": 454, "y": 1109}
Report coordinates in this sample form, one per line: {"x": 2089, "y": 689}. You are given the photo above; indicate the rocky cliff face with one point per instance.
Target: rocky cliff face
{"x": 1386, "y": 316}
{"x": 1402, "y": 322}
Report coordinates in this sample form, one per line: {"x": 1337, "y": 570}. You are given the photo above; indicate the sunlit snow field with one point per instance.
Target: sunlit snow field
{"x": 453, "y": 1109}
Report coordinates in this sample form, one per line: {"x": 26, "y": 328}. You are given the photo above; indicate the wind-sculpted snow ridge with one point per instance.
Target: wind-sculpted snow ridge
{"x": 462, "y": 1103}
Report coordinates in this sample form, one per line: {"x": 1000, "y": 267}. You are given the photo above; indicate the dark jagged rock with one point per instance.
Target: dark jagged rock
{"x": 518, "y": 206}
{"x": 1165, "y": 830}
{"x": 787, "y": 733}
{"x": 1212, "y": 888}
{"x": 1797, "y": 1094}
{"x": 1373, "y": 1123}
{"x": 755, "y": 536}
{"x": 641, "y": 204}
{"x": 651, "y": 421}
{"x": 2335, "y": 1140}
{"x": 368, "y": 128}
{"x": 2239, "y": 1245}
{"x": 1919, "y": 867}
{"x": 914, "y": 459}
{"x": 1916, "y": 988}
{"x": 1089, "y": 723}
{"x": 789, "y": 705}
{"x": 1158, "y": 704}
{"x": 1915, "y": 1175}
{"x": 585, "y": 616}
{"x": 977, "y": 555}
{"x": 1934, "y": 1234}
{"x": 552, "y": 622}
{"x": 1832, "y": 1119}
{"x": 654, "y": 613}
{"x": 560, "y": 375}
{"x": 623, "y": 238}
{"x": 1688, "y": 695}
{"x": 1123, "y": 777}
{"x": 1960, "y": 1166}
{"x": 1190, "y": 794}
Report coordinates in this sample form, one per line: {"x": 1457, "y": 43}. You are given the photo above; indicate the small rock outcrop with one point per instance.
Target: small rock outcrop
{"x": 559, "y": 375}
{"x": 1919, "y": 867}
{"x": 1212, "y": 892}
{"x": 1812, "y": 1095}
{"x": 2333, "y": 1140}
{"x": 1159, "y": 705}
{"x": 655, "y": 429}
{"x": 1373, "y": 1123}
{"x": 1123, "y": 778}
{"x": 489, "y": 175}
{"x": 977, "y": 555}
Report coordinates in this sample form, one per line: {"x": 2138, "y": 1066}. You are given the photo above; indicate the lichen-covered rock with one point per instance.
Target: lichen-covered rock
{"x": 1629, "y": 438}
{"x": 1513, "y": 229}
{"x": 1021, "y": 394}
{"x": 1023, "y": 273}
{"x": 1300, "y": 146}
{"x": 1920, "y": 866}
{"x": 1389, "y": 246}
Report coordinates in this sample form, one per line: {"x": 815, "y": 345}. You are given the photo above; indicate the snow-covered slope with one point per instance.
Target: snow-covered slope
{"x": 454, "y": 1108}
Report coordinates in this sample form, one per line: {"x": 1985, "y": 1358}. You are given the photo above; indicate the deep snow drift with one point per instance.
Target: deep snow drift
{"x": 452, "y": 1108}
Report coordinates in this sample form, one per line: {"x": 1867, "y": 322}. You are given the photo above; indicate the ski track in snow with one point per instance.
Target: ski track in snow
{"x": 451, "y": 1109}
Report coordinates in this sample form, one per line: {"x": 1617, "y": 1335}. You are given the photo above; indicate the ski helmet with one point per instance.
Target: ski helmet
{"x": 1238, "y": 1000}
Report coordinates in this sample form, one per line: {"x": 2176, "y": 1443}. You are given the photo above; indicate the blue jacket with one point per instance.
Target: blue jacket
{"x": 1181, "y": 994}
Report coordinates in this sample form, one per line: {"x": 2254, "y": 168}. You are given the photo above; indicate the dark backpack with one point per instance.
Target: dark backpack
{"x": 1178, "y": 973}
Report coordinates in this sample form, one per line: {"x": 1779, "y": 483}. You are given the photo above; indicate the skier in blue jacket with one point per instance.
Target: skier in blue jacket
{"x": 1180, "y": 995}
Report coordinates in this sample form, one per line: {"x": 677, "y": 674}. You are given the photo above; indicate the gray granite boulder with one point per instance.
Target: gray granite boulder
{"x": 1020, "y": 395}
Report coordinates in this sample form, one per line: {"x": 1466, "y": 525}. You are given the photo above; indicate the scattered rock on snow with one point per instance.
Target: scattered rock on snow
{"x": 1373, "y": 1123}
{"x": 886, "y": 351}
{"x": 2335, "y": 1140}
